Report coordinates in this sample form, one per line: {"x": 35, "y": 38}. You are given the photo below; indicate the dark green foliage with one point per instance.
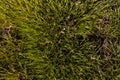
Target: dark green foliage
{"x": 60, "y": 40}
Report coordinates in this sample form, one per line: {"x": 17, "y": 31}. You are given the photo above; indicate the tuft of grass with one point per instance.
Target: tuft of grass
{"x": 59, "y": 40}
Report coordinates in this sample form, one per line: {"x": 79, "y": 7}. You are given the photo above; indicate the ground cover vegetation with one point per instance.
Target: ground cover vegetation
{"x": 59, "y": 40}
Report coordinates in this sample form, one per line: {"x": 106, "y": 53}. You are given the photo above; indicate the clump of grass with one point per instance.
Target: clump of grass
{"x": 66, "y": 40}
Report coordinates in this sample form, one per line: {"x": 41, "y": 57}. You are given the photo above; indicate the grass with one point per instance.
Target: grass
{"x": 59, "y": 40}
